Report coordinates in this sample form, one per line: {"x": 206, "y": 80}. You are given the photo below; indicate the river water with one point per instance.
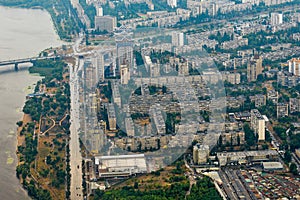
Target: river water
{"x": 23, "y": 33}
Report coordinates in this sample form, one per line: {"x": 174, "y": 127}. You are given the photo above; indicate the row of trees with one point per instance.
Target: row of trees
{"x": 89, "y": 10}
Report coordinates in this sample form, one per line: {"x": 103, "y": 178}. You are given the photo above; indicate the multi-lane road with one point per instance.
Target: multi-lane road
{"x": 75, "y": 152}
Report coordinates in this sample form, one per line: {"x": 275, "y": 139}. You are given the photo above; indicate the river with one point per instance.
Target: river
{"x": 23, "y": 33}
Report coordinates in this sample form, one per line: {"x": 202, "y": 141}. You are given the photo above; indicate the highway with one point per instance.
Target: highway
{"x": 75, "y": 152}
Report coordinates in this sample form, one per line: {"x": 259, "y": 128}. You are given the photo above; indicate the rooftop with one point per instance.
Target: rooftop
{"x": 272, "y": 165}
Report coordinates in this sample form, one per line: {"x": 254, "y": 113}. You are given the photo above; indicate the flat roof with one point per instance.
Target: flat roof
{"x": 265, "y": 118}
{"x": 272, "y": 165}
{"x": 121, "y": 157}
{"x": 248, "y": 153}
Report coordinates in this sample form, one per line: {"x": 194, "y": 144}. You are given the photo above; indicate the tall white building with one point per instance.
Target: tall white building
{"x": 99, "y": 11}
{"x": 172, "y": 3}
{"x": 258, "y": 124}
{"x": 276, "y": 19}
{"x": 294, "y": 66}
{"x": 214, "y": 9}
{"x": 177, "y": 39}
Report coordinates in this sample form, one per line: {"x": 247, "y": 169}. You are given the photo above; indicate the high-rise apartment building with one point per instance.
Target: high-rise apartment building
{"x": 258, "y": 124}
{"x": 177, "y": 39}
{"x": 99, "y": 11}
{"x": 276, "y": 19}
{"x": 254, "y": 67}
{"x": 294, "y": 66}
{"x": 172, "y": 3}
{"x": 200, "y": 154}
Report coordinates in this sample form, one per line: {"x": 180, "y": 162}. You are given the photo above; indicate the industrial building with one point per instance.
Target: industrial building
{"x": 272, "y": 166}
{"x": 244, "y": 157}
{"x": 120, "y": 166}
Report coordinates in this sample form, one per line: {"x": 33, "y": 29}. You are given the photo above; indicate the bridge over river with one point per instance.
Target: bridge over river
{"x": 16, "y": 62}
